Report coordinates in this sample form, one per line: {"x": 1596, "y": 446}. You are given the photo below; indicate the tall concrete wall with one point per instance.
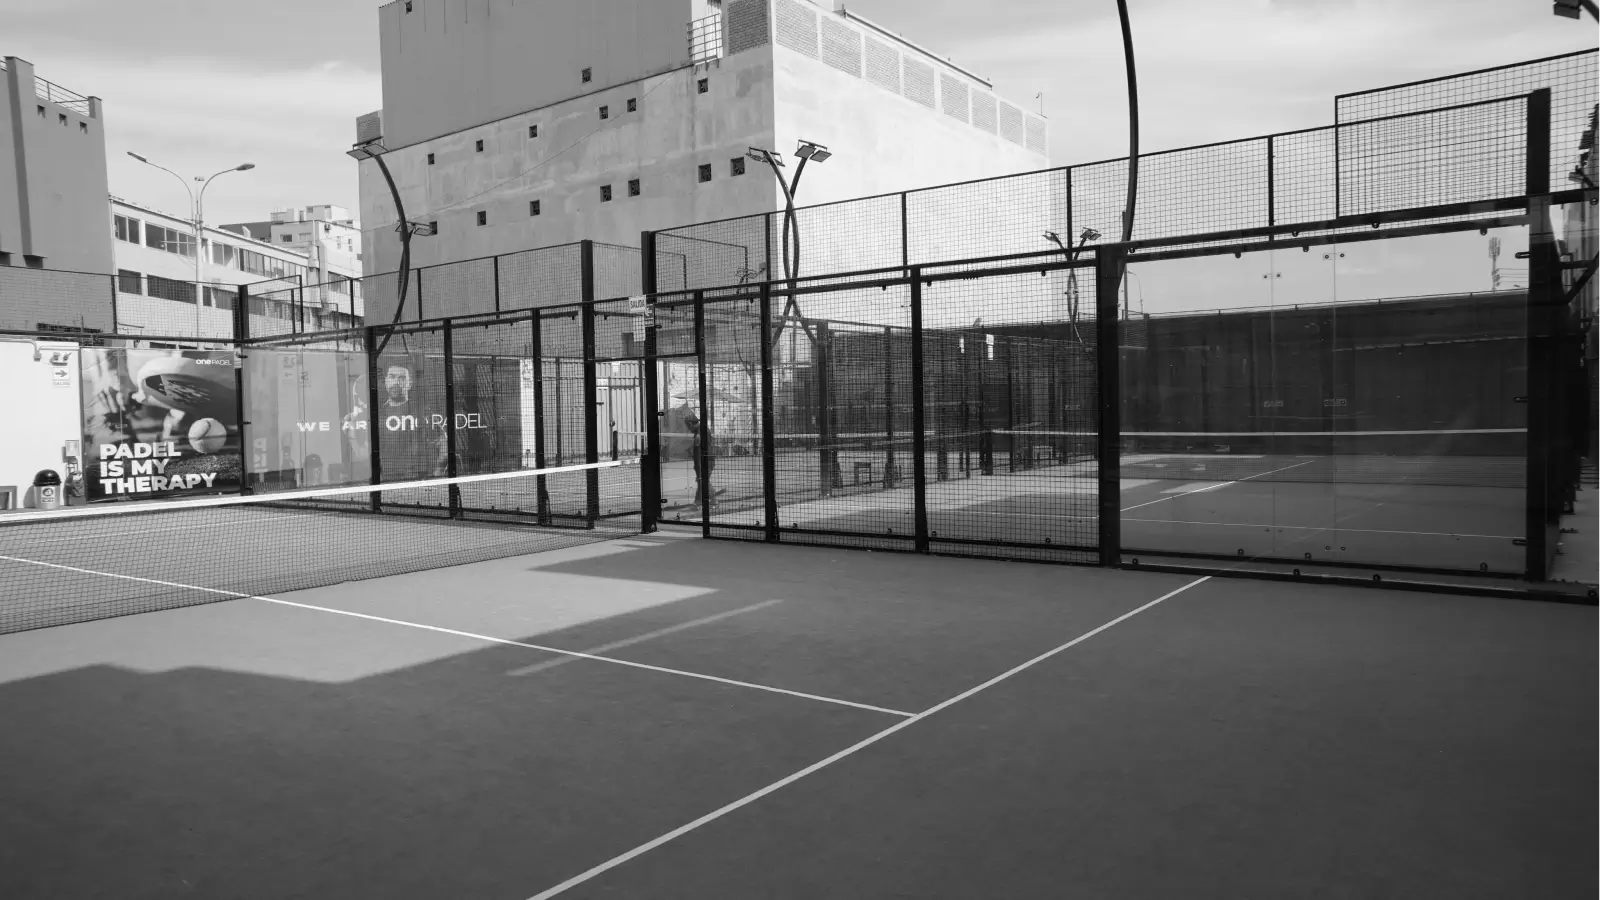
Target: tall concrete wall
{"x": 52, "y": 176}
{"x": 674, "y": 130}
{"x": 453, "y": 64}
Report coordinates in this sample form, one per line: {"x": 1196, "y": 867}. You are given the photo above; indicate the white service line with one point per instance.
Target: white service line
{"x": 746, "y": 800}
{"x": 1219, "y": 485}
{"x": 641, "y": 638}
{"x": 468, "y": 634}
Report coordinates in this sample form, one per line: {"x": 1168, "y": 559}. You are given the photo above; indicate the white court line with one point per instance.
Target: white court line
{"x": 1219, "y": 485}
{"x": 277, "y": 514}
{"x": 647, "y": 636}
{"x": 860, "y": 745}
{"x": 468, "y": 634}
{"x": 1347, "y": 516}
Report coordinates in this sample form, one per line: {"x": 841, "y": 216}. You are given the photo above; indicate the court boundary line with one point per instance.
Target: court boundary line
{"x": 237, "y": 595}
{"x": 1216, "y": 487}
{"x": 746, "y": 800}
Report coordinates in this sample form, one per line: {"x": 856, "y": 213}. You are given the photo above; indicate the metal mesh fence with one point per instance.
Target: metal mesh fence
{"x": 1571, "y": 78}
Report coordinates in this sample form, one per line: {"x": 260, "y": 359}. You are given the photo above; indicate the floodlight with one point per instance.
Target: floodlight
{"x": 766, "y": 156}
{"x": 245, "y": 168}
{"x": 1089, "y": 234}
{"x": 813, "y": 151}
{"x": 367, "y": 149}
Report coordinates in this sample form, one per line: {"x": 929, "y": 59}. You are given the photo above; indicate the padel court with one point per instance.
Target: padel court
{"x": 664, "y": 716}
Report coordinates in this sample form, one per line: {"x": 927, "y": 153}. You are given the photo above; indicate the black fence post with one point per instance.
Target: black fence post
{"x": 702, "y": 470}
{"x": 905, "y": 241}
{"x": 1545, "y": 299}
{"x": 537, "y": 364}
{"x": 374, "y": 426}
{"x": 241, "y": 336}
{"x": 116, "y": 325}
{"x": 888, "y": 407}
{"x": 650, "y": 459}
{"x": 828, "y": 465}
{"x": 496, "y": 263}
{"x": 417, "y": 273}
{"x": 769, "y": 456}
{"x": 919, "y": 462}
{"x": 1109, "y": 265}
{"x": 450, "y": 469}
{"x": 591, "y": 395}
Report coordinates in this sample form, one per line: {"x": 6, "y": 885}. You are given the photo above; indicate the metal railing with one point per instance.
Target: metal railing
{"x": 60, "y": 96}
{"x": 705, "y": 39}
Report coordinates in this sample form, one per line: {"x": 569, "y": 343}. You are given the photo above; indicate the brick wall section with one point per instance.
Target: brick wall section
{"x": 883, "y": 65}
{"x": 841, "y": 46}
{"x": 1011, "y": 123}
{"x": 745, "y": 25}
{"x": 919, "y": 82}
{"x": 953, "y": 91}
{"x": 983, "y": 111}
{"x": 797, "y": 28}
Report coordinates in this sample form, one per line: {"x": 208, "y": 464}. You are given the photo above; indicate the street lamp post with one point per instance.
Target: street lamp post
{"x": 197, "y": 211}
{"x": 374, "y": 150}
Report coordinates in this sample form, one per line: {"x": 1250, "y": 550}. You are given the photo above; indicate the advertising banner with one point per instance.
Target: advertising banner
{"x": 307, "y": 415}
{"x": 159, "y": 423}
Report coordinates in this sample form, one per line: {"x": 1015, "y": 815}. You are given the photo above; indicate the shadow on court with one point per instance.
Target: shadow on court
{"x": 1237, "y": 739}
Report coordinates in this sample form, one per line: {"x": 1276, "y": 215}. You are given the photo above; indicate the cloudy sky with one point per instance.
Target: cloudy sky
{"x": 201, "y": 85}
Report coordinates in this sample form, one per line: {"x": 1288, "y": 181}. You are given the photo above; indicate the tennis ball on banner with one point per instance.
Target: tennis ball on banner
{"x": 208, "y": 435}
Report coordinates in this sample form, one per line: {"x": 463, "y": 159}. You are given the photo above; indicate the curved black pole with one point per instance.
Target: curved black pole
{"x": 405, "y": 250}
{"x": 1133, "y": 121}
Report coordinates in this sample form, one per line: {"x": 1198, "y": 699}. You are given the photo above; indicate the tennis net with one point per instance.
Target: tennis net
{"x": 84, "y": 563}
{"x": 1487, "y": 457}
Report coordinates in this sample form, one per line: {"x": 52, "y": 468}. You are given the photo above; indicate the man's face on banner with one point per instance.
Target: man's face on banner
{"x": 397, "y": 384}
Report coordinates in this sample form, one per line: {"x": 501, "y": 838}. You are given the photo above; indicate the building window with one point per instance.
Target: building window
{"x": 533, "y": 131}
{"x": 633, "y": 187}
{"x": 480, "y": 145}
{"x": 434, "y": 226}
{"x": 287, "y": 238}
{"x": 129, "y": 282}
{"x": 736, "y": 166}
{"x": 533, "y": 207}
{"x": 168, "y": 289}
{"x": 633, "y": 104}
{"x": 430, "y": 159}
{"x": 127, "y": 229}
{"x": 41, "y": 112}
{"x": 605, "y": 193}
{"x": 703, "y": 85}
{"x": 408, "y": 5}
{"x": 588, "y": 75}
{"x": 605, "y": 112}
{"x": 62, "y": 118}
{"x": 168, "y": 239}
{"x": 705, "y": 172}
{"x": 83, "y": 127}
{"x": 483, "y": 217}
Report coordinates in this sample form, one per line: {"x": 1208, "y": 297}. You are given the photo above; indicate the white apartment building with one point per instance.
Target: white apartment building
{"x": 156, "y": 290}
{"x": 512, "y": 125}
{"x": 326, "y": 235}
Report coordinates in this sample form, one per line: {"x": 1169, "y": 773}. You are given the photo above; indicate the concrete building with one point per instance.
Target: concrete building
{"x": 155, "y": 268}
{"x": 514, "y": 125}
{"x": 52, "y": 175}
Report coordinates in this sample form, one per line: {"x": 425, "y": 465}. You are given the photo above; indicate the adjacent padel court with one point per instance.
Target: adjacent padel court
{"x": 662, "y": 716}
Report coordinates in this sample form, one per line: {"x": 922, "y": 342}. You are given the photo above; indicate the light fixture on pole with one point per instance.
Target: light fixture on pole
{"x": 374, "y": 150}
{"x": 197, "y": 213}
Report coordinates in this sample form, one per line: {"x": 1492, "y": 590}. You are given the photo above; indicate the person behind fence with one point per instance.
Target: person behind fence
{"x": 691, "y": 422}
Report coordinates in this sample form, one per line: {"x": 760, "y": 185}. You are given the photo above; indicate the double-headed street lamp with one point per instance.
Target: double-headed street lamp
{"x": 197, "y": 209}
{"x": 807, "y": 151}
{"x": 1089, "y": 234}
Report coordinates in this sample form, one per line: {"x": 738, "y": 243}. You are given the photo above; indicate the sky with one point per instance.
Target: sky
{"x": 200, "y": 86}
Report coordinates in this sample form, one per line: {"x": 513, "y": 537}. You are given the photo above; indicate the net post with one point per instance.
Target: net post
{"x": 450, "y": 437}
{"x": 919, "y": 462}
{"x": 769, "y": 456}
{"x": 703, "y": 436}
{"x": 1545, "y": 299}
{"x": 650, "y": 475}
{"x": 370, "y": 340}
{"x": 591, "y": 396}
{"x": 536, "y": 344}
{"x": 1109, "y": 265}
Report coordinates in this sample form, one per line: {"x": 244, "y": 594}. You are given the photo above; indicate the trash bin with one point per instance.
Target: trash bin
{"x": 47, "y": 489}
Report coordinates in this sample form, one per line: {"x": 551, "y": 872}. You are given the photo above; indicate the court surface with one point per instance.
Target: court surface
{"x": 667, "y": 717}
